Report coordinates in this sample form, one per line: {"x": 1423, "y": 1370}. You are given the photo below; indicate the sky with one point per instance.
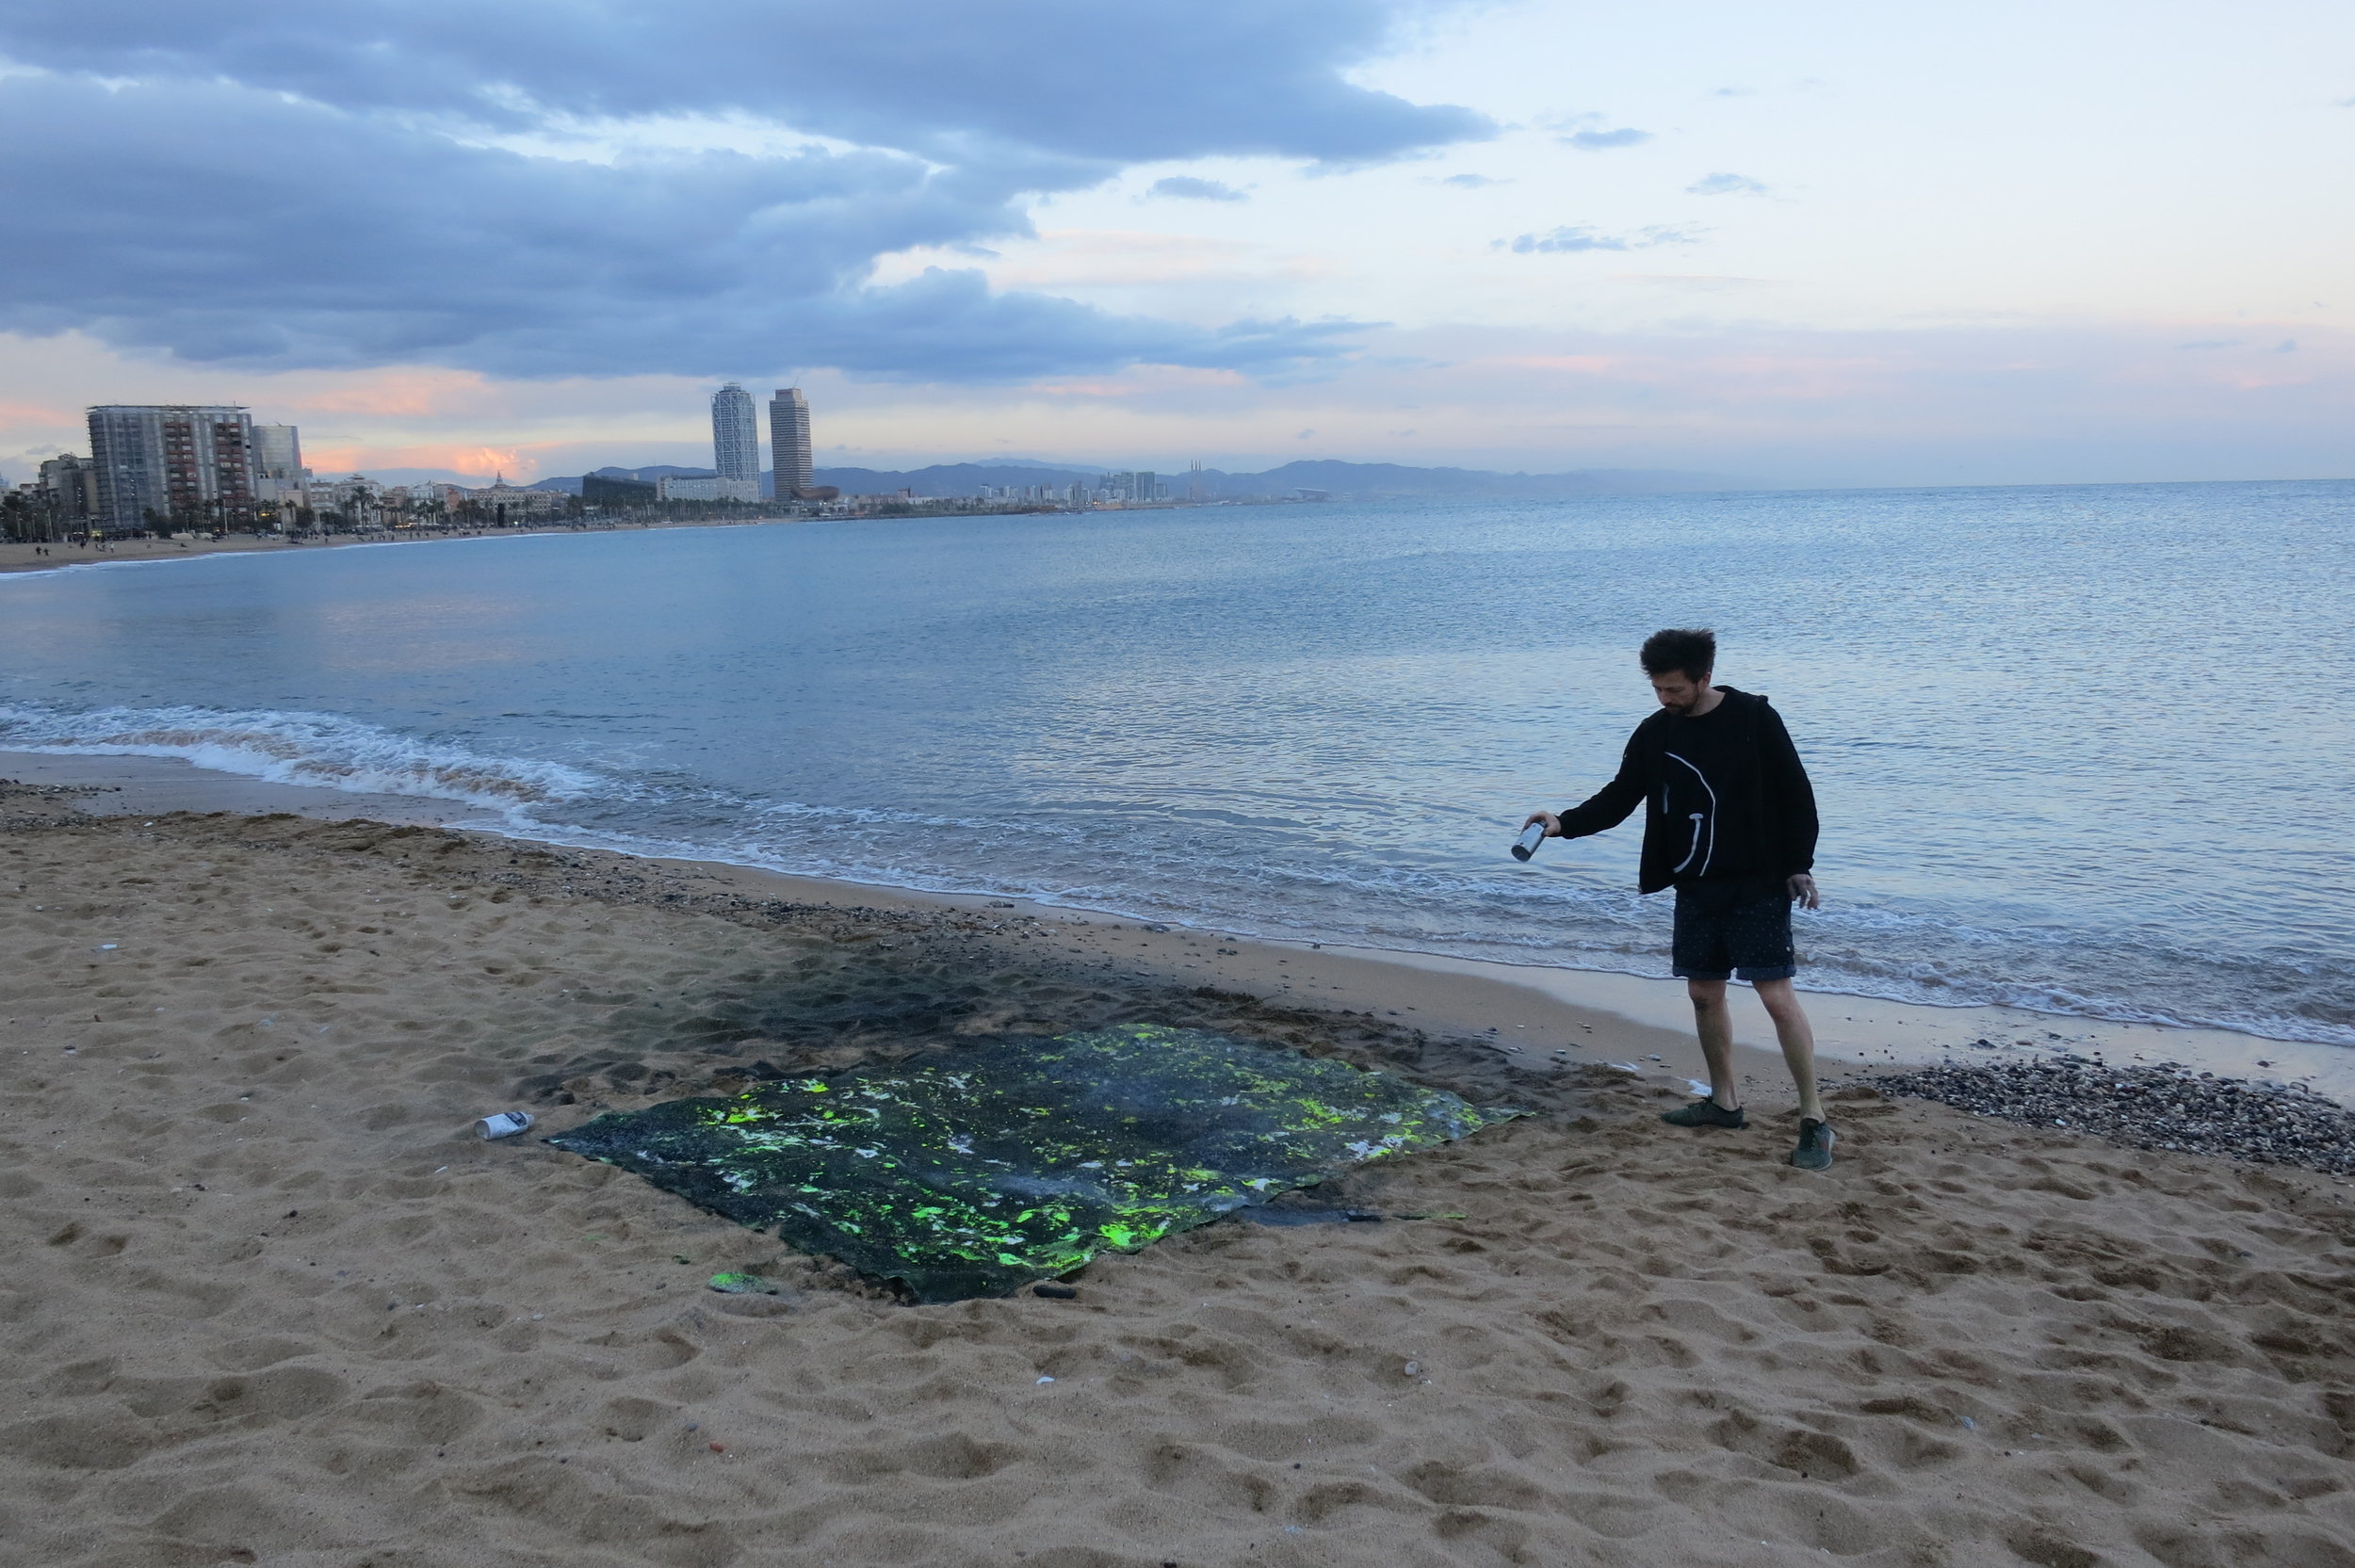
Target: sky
{"x": 1822, "y": 244}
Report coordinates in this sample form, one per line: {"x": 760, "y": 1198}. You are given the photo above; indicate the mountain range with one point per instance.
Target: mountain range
{"x": 1337, "y": 479}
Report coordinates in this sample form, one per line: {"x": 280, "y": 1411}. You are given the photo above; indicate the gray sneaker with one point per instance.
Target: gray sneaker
{"x": 1706, "y": 1112}
{"x": 1814, "y": 1150}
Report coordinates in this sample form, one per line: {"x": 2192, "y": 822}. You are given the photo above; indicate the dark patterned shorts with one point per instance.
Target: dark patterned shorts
{"x": 1734, "y": 927}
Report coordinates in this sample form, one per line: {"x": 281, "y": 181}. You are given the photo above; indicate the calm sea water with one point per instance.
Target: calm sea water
{"x": 2086, "y": 748}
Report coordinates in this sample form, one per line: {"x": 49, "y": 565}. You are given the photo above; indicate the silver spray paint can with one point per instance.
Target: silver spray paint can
{"x": 507, "y": 1124}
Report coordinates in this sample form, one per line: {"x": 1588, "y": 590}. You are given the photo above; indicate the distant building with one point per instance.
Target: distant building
{"x": 736, "y": 438}
{"x": 279, "y": 477}
{"x": 355, "y": 501}
{"x": 173, "y": 465}
{"x": 504, "y": 506}
{"x": 788, "y": 443}
{"x": 615, "y": 489}
{"x": 69, "y": 487}
{"x": 706, "y": 487}
{"x": 1142, "y": 485}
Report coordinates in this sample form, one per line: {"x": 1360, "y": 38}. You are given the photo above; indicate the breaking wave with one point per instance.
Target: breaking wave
{"x": 320, "y": 749}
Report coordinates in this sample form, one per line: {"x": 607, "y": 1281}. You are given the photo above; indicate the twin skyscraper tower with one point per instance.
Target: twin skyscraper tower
{"x": 735, "y": 441}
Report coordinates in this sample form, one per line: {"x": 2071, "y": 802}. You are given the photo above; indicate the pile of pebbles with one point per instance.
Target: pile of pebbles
{"x": 2167, "y": 1107}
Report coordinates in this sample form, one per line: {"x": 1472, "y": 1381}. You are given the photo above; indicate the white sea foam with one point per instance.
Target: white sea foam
{"x": 316, "y": 748}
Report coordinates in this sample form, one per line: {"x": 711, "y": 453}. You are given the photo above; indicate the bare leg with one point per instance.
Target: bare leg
{"x": 1799, "y": 1042}
{"x": 1715, "y": 1024}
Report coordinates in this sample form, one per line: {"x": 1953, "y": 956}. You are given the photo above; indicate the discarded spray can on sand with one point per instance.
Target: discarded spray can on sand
{"x": 1527, "y": 844}
{"x": 507, "y": 1124}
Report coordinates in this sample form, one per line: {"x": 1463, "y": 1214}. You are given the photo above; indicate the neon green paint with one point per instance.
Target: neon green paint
{"x": 1113, "y": 1138}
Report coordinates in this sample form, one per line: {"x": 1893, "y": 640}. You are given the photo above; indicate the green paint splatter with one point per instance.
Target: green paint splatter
{"x": 1021, "y": 1159}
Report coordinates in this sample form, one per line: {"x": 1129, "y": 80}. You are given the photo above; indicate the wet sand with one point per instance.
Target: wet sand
{"x": 273, "y": 1302}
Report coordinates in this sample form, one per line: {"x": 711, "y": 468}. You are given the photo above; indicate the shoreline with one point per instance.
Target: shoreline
{"x": 1541, "y": 1008}
{"x": 275, "y": 1301}
{"x": 19, "y": 559}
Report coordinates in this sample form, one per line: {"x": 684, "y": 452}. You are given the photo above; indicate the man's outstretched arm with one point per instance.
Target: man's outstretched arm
{"x": 1606, "y": 808}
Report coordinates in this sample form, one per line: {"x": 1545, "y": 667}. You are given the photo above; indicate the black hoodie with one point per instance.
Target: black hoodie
{"x": 1728, "y": 796}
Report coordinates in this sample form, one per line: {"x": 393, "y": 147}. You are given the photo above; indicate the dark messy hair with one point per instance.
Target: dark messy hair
{"x": 1692, "y": 652}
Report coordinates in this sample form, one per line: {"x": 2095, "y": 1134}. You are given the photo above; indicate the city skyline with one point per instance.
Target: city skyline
{"x": 1834, "y": 247}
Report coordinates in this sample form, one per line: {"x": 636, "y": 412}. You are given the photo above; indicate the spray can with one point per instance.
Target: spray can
{"x": 507, "y": 1124}
{"x": 1527, "y": 844}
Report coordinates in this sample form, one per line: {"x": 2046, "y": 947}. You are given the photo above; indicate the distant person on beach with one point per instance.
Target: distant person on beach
{"x": 1731, "y": 827}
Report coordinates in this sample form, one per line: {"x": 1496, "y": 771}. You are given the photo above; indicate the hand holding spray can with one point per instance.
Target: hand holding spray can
{"x": 1527, "y": 844}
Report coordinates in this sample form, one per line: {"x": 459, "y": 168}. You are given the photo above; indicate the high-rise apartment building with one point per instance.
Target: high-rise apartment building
{"x": 69, "y": 489}
{"x": 173, "y": 465}
{"x": 279, "y": 477}
{"x": 788, "y": 441}
{"x": 736, "y": 444}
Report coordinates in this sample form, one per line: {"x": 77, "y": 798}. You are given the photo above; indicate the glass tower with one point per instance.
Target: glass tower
{"x": 734, "y": 435}
{"x": 789, "y": 441}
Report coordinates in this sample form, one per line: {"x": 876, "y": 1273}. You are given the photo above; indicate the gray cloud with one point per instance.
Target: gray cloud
{"x": 1726, "y": 184}
{"x": 1600, "y": 141}
{"x": 932, "y": 75}
{"x": 230, "y": 226}
{"x": 1474, "y": 182}
{"x": 1580, "y": 237}
{"x": 325, "y": 185}
{"x": 1186, "y": 188}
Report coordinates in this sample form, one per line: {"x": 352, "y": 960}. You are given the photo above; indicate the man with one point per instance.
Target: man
{"x": 1731, "y": 827}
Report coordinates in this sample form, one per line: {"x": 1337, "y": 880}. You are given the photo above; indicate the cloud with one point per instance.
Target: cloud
{"x": 1580, "y": 237}
{"x": 233, "y": 227}
{"x": 1230, "y": 77}
{"x": 348, "y": 184}
{"x": 1600, "y": 141}
{"x": 1472, "y": 182}
{"x": 1186, "y": 188}
{"x": 1726, "y": 184}
{"x": 1096, "y": 259}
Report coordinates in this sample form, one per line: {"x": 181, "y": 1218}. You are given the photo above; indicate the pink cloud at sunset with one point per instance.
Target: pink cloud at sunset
{"x": 474, "y": 462}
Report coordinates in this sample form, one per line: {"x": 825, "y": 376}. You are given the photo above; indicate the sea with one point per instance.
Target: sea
{"x": 2085, "y": 750}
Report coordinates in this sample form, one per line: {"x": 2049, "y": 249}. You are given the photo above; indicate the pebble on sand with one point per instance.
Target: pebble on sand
{"x": 2166, "y": 1106}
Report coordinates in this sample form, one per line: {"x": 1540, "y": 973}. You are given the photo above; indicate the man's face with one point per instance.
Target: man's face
{"x": 1678, "y": 692}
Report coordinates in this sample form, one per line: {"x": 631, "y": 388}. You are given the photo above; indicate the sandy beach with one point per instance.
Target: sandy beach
{"x": 276, "y": 1303}
{"x": 50, "y": 557}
